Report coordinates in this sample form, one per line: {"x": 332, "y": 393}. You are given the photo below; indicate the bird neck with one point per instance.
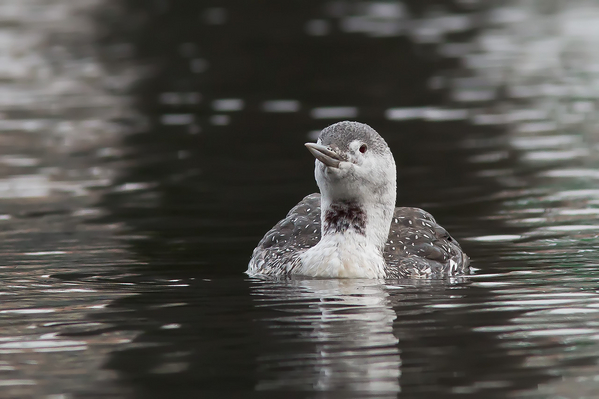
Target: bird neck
{"x": 365, "y": 220}
{"x": 353, "y": 237}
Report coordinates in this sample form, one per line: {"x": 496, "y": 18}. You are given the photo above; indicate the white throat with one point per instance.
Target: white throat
{"x": 354, "y": 229}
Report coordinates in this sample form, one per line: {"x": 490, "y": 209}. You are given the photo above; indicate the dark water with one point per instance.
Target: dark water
{"x": 148, "y": 145}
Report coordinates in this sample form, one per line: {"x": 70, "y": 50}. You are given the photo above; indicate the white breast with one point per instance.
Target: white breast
{"x": 342, "y": 256}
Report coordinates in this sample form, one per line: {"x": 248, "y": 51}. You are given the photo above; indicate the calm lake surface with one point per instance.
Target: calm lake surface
{"x": 146, "y": 147}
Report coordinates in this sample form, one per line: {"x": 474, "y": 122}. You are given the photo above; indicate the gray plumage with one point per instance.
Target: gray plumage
{"x": 360, "y": 233}
{"x": 417, "y": 246}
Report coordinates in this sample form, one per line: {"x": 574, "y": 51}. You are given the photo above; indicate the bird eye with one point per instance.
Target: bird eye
{"x": 363, "y": 148}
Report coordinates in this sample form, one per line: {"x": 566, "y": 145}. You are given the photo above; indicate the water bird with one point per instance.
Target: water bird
{"x": 352, "y": 229}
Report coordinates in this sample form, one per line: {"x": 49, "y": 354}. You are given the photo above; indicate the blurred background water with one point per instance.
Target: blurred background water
{"x": 147, "y": 145}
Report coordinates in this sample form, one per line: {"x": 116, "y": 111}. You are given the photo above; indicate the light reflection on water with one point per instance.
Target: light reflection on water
{"x": 124, "y": 242}
{"x": 54, "y": 104}
{"x": 349, "y": 324}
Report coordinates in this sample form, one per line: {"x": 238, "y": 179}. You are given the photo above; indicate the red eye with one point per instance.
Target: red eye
{"x": 363, "y": 148}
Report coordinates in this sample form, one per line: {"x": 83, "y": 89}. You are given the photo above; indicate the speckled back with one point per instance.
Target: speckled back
{"x": 417, "y": 247}
{"x": 278, "y": 251}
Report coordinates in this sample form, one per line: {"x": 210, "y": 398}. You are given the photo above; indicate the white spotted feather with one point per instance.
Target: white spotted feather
{"x": 353, "y": 229}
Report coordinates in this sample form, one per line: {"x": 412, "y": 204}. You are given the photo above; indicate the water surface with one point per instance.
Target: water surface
{"x": 147, "y": 147}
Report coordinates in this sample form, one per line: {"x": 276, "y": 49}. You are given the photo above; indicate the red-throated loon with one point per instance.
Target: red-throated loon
{"x": 352, "y": 229}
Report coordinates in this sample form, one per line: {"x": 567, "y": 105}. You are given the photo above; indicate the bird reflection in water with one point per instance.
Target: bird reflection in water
{"x": 327, "y": 335}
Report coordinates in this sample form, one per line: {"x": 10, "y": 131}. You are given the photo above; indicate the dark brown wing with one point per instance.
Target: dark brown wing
{"x": 418, "y": 247}
{"x": 278, "y": 252}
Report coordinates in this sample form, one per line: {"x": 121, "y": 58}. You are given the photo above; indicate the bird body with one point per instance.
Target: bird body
{"x": 353, "y": 229}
